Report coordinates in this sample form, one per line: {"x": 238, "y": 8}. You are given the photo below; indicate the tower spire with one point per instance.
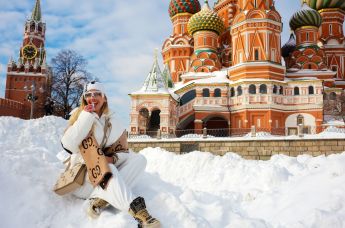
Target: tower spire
{"x": 36, "y": 12}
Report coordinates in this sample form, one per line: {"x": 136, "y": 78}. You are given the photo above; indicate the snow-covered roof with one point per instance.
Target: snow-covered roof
{"x": 295, "y": 71}
{"x": 154, "y": 82}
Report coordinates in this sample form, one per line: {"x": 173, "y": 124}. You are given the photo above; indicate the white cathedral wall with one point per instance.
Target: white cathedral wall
{"x": 309, "y": 120}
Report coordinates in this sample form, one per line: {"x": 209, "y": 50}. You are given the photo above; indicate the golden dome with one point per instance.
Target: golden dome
{"x": 206, "y": 19}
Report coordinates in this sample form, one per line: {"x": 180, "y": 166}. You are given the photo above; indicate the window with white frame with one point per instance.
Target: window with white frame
{"x": 273, "y": 54}
{"x": 256, "y": 54}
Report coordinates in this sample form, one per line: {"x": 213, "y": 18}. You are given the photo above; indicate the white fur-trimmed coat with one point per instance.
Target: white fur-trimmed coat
{"x": 75, "y": 134}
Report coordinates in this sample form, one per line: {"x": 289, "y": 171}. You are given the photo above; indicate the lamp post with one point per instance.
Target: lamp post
{"x": 32, "y": 96}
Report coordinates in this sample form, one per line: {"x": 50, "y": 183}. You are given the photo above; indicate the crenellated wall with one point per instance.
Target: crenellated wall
{"x": 11, "y": 108}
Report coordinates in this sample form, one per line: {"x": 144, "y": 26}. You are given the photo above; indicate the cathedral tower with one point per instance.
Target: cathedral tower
{"x": 27, "y": 78}
{"x": 205, "y": 26}
{"x": 331, "y": 34}
{"x": 178, "y": 48}
{"x": 226, "y": 10}
{"x": 256, "y": 37}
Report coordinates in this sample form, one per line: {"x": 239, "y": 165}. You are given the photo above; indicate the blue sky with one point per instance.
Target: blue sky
{"x": 117, "y": 37}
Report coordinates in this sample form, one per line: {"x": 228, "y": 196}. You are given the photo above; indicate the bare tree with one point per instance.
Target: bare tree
{"x": 69, "y": 77}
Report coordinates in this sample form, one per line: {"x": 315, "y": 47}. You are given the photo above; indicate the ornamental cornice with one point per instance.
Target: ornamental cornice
{"x": 210, "y": 108}
{"x": 149, "y": 95}
{"x": 308, "y": 107}
{"x": 181, "y": 15}
{"x": 266, "y": 20}
{"x": 332, "y": 10}
{"x": 14, "y": 73}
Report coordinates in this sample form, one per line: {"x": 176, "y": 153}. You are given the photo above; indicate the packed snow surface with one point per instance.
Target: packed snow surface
{"x": 192, "y": 190}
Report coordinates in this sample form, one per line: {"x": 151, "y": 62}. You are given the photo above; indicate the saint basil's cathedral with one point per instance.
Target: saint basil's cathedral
{"x": 225, "y": 68}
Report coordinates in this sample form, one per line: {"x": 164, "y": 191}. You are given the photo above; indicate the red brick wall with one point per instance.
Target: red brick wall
{"x": 11, "y": 108}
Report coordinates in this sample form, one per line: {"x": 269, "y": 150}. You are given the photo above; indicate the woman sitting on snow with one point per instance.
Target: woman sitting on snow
{"x": 124, "y": 167}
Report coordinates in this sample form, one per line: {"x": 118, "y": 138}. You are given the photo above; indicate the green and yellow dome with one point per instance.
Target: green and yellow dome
{"x": 183, "y": 6}
{"x": 306, "y": 16}
{"x": 206, "y": 19}
{"x": 326, "y": 4}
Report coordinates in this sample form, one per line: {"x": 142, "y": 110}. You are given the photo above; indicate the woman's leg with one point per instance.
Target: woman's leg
{"x": 85, "y": 190}
{"x": 117, "y": 193}
{"x": 130, "y": 166}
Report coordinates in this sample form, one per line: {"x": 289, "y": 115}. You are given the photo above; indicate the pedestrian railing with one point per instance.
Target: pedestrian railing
{"x": 300, "y": 131}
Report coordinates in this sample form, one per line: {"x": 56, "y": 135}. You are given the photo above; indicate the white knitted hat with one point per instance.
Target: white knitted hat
{"x": 93, "y": 85}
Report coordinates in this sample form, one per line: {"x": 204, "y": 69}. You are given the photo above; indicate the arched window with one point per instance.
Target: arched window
{"x": 256, "y": 54}
{"x": 239, "y": 91}
{"x": 232, "y": 92}
{"x": 325, "y": 96}
{"x": 332, "y": 96}
{"x": 32, "y": 27}
{"x": 252, "y": 89}
{"x": 40, "y": 27}
{"x": 205, "y": 92}
{"x": 144, "y": 112}
{"x": 263, "y": 89}
{"x": 300, "y": 120}
{"x": 281, "y": 90}
{"x": 217, "y": 93}
{"x": 187, "y": 97}
{"x": 296, "y": 91}
{"x": 311, "y": 89}
{"x": 275, "y": 89}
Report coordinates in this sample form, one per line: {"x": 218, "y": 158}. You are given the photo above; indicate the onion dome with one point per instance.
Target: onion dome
{"x": 206, "y": 19}
{"x": 289, "y": 47}
{"x": 326, "y": 4}
{"x": 306, "y": 16}
{"x": 183, "y": 6}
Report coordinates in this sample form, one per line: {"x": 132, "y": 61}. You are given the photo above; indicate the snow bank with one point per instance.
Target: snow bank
{"x": 192, "y": 190}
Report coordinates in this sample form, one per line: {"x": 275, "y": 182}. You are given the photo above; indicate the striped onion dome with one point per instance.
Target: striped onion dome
{"x": 183, "y": 6}
{"x": 289, "y": 47}
{"x": 206, "y": 19}
{"x": 306, "y": 16}
{"x": 326, "y": 4}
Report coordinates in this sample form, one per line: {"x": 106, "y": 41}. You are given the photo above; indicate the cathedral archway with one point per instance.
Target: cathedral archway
{"x": 143, "y": 120}
{"x": 154, "y": 121}
{"x": 217, "y": 126}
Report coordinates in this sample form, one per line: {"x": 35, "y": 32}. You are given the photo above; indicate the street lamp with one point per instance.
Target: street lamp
{"x": 32, "y": 96}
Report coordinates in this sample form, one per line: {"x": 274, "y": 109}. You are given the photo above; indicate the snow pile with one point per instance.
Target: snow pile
{"x": 260, "y": 134}
{"x": 140, "y": 137}
{"x": 192, "y": 190}
{"x": 196, "y": 136}
{"x": 334, "y": 129}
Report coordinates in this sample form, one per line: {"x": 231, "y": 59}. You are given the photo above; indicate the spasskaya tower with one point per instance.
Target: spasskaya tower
{"x": 28, "y": 77}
